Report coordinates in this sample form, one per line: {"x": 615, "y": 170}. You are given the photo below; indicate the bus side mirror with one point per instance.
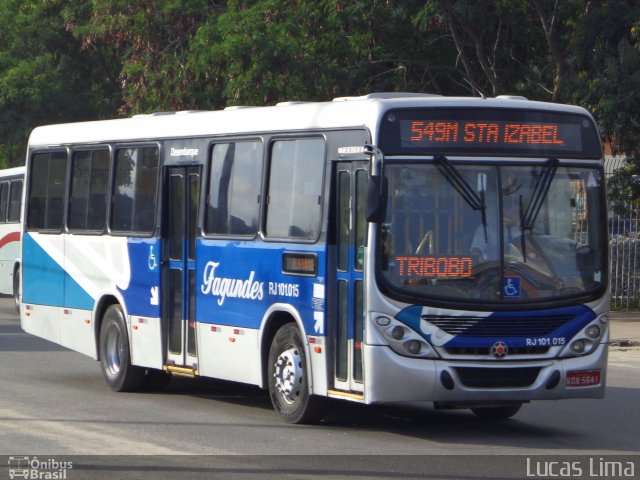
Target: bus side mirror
{"x": 377, "y": 199}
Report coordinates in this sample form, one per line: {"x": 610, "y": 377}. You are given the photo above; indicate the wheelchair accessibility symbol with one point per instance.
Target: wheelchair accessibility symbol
{"x": 153, "y": 262}
{"x": 511, "y": 286}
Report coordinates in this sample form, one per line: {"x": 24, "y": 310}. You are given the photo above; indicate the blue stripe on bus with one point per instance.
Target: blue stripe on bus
{"x": 46, "y": 283}
{"x": 580, "y": 316}
{"x": 75, "y": 296}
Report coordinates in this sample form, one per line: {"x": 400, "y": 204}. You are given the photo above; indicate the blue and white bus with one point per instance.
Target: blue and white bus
{"x": 379, "y": 249}
{"x": 11, "y": 182}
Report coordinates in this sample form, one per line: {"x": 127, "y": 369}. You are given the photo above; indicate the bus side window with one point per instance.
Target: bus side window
{"x": 89, "y": 181}
{"x": 234, "y": 188}
{"x": 295, "y": 188}
{"x": 135, "y": 190}
{"x": 4, "y": 201}
{"x": 47, "y": 187}
{"x": 15, "y": 201}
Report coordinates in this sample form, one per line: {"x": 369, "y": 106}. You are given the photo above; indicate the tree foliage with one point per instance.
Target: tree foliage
{"x": 44, "y": 75}
{"x": 67, "y": 61}
{"x": 606, "y": 81}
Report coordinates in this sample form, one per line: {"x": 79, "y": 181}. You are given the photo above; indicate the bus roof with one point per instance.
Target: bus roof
{"x": 343, "y": 112}
{"x": 10, "y": 172}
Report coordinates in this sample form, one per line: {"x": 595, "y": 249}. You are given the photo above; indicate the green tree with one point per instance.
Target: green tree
{"x": 150, "y": 43}
{"x": 45, "y": 77}
{"x": 607, "y": 82}
{"x": 195, "y": 54}
{"x": 507, "y": 46}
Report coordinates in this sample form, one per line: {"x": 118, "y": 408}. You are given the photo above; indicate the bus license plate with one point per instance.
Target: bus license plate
{"x": 583, "y": 378}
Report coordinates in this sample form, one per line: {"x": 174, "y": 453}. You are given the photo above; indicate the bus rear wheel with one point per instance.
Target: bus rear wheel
{"x": 115, "y": 358}
{"x": 497, "y": 413}
{"x": 288, "y": 378}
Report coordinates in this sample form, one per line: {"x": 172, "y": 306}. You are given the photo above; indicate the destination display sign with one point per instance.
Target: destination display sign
{"x": 499, "y": 132}
{"x": 434, "y": 267}
{"x": 491, "y": 134}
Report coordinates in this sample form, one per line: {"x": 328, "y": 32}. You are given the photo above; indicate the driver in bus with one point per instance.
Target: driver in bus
{"x": 486, "y": 246}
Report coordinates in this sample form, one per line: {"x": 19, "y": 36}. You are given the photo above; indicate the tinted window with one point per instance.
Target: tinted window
{"x": 295, "y": 186}
{"x": 89, "y": 183}
{"x": 343, "y": 220}
{"x": 15, "y": 201}
{"x": 361, "y": 221}
{"x": 234, "y": 188}
{"x": 135, "y": 187}
{"x": 47, "y": 190}
{"x": 4, "y": 201}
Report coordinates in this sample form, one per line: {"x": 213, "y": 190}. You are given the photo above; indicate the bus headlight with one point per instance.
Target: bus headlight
{"x": 414, "y": 347}
{"x": 582, "y": 346}
{"x": 586, "y": 340}
{"x": 402, "y": 339}
{"x": 593, "y": 331}
{"x": 578, "y": 346}
{"x": 397, "y": 332}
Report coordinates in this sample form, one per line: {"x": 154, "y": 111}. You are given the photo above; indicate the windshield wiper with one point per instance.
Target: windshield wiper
{"x": 539, "y": 194}
{"x": 528, "y": 217}
{"x": 458, "y": 182}
{"x": 523, "y": 241}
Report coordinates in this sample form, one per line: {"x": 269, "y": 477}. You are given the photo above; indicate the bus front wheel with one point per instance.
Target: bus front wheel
{"x": 115, "y": 359}
{"x": 288, "y": 378}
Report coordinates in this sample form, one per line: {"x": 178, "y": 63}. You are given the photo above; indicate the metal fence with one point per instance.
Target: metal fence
{"x": 624, "y": 246}
{"x": 624, "y": 258}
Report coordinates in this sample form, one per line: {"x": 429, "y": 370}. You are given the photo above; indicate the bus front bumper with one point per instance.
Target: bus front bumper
{"x": 391, "y": 378}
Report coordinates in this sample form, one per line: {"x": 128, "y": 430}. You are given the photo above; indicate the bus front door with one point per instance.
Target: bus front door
{"x": 351, "y": 183}
{"x": 178, "y": 277}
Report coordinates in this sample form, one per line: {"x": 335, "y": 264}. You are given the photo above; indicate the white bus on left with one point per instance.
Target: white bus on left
{"x": 11, "y": 182}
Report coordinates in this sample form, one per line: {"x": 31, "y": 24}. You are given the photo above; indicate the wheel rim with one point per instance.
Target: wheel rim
{"x": 113, "y": 352}
{"x": 288, "y": 374}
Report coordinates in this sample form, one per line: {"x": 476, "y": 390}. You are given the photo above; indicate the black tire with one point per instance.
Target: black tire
{"x": 115, "y": 359}
{"x": 497, "y": 413}
{"x": 288, "y": 378}
{"x": 17, "y": 291}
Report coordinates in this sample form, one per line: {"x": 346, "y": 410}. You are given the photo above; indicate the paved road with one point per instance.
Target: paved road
{"x": 625, "y": 327}
{"x": 54, "y": 403}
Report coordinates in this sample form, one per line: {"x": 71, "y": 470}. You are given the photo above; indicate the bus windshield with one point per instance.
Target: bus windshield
{"x": 513, "y": 233}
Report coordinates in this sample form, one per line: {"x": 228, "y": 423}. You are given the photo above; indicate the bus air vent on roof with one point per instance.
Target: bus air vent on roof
{"x": 187, "y": 112}
{"x": 162, "y": 114}
{"x": 153, "y": 114}
{"x": 286, "y": 104}
{"x": 511, "y": 97}
{"x": 386, "y": 95}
